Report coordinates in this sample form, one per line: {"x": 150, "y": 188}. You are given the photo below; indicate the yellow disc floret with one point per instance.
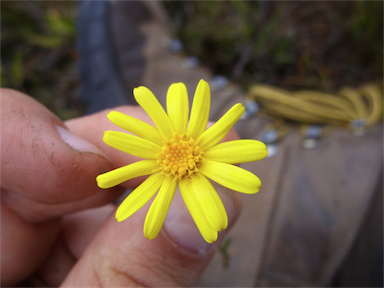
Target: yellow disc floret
{"x": 180, "y": 156}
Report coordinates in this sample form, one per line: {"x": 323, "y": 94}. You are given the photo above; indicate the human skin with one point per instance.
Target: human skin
{"x": 59, "y": 226}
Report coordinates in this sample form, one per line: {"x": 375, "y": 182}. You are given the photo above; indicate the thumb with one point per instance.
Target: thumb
{"x": 120, "y": 255}
{"x": 46, "y": 172}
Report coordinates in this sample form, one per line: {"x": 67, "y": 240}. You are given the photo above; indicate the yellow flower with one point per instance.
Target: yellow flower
{"x": 181, "y": 154}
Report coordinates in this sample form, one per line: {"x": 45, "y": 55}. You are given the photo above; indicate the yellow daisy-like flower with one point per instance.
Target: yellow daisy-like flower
{"x": 181, "y": 154}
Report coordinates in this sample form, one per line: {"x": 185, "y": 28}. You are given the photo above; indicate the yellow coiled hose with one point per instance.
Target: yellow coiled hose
{"x": 357, "y": 109}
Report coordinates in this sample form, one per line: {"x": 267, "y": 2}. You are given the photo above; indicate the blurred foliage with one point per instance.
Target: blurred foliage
{"x": 292, "y": 44}
{"x": 38, "y": 52}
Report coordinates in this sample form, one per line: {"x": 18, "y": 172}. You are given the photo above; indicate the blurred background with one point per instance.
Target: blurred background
{"x": 293, "y": 45}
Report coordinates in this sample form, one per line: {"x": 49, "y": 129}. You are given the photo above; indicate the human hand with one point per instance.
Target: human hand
{"x": 50, "y": 226}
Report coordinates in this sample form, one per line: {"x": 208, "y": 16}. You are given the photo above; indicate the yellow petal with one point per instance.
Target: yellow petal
{"x": 140, "y": 196}
{"x": 159, "y": 208}
{"x": 231, "y": 176}
{"x": 187, "y": 192}
{"x": 149, "y": 103}
{"x": 136, "y": 126}
{"x": 122, "y": 174}
{"x": 210, "y": 202}
{"x": 131, "y": 144}
{"x": 178, "y": 106}
{"x": 200, "y": 110}
{"x": 217, "y": 131}
{"x": 237, "y": 151}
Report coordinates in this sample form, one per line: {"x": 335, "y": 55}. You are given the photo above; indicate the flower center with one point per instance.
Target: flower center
{"x": 180, "y": 156}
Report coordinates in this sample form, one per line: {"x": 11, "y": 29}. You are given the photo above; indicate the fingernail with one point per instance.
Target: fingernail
{"x": 181, "y": 228}
{"x": 78, "y": 143}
